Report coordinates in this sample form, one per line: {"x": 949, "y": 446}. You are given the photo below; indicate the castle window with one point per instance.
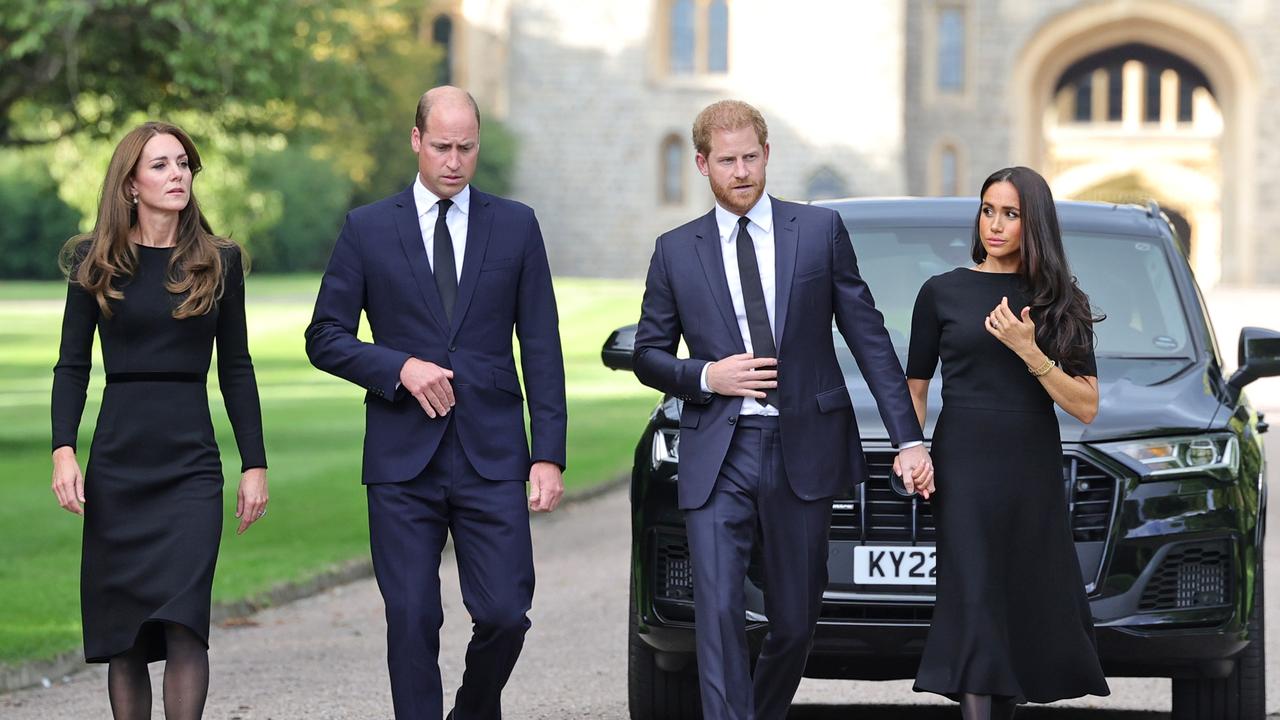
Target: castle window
{"x": 951, "y": 49}
{"x": 673, "y": 168}
{"x": 442, "y": 35}
{"x": 697, "y": 36}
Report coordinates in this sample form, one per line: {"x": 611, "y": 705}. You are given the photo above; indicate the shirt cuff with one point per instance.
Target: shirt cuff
{"x": 703, "y": 379}
{"x": 911, "y": 444}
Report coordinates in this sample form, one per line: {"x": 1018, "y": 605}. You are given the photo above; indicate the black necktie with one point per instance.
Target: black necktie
{"x": 445, "y": 270}
{"x": 753, "y": 299}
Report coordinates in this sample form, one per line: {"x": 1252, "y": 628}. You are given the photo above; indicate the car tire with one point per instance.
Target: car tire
{"x": 1242, "y": 694}
{"x": 653, "y": 693}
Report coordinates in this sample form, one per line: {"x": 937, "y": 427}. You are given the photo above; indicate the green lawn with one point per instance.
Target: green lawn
{"x": 313, "y": 424}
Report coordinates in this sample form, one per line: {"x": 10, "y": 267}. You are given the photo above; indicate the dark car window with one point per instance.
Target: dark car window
{"x": 1127, "y": 278}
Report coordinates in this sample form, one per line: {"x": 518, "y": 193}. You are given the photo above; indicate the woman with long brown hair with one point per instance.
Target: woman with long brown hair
{"x": 160, "y": 289}
{"x": 1015, "y": 336}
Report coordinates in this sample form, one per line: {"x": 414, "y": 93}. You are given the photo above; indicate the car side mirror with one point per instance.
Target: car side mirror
{"x": 1259, "y": 356}
{"x": 616, "y": 354}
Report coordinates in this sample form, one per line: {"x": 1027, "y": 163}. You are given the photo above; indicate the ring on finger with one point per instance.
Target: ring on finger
{"x": 262, "y": 513}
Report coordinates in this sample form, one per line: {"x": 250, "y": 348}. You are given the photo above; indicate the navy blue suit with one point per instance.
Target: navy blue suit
{"x": 462, "y": 473}
{"x": 770, "y": 481}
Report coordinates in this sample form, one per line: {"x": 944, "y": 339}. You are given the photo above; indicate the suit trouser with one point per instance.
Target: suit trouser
{"x": 752, "y": 501}
{"x": 489, "y": 521}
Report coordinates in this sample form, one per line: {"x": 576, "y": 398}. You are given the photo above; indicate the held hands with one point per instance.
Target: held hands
{"x": 429, "y": 384}
{"x": 1017, "y": 333}
{"x": 546, "y": 486}
{"x": 251, "y": 498}
{"x": 916, "y": 469}
{"x": 68, "y": 481}
{"x": 743, "y": 374}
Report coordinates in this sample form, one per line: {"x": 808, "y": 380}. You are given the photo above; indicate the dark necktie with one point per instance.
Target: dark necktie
{"x": 753, "y": 299}
{"x": 445, "y": 270}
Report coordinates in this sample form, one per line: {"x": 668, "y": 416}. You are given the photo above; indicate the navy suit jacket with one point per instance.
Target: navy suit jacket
{"x": 686, "y": 294}
{"x": 380, "y": 266}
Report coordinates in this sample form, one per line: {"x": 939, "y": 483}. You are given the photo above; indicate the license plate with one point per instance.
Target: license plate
{"x": 894, "y": 565}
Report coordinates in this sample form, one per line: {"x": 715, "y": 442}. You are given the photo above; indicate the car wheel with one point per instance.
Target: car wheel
{"x": 653, "y": 693}
{"x": 1240, "y": 695}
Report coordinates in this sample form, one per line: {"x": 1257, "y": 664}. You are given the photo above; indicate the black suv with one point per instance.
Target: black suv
{"x": 1166, "y": 489}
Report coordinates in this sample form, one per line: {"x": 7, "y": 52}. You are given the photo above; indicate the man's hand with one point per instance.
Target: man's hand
{"x": 916, "y": 469}
{"x": 743, "y": 374}
{"x": 546, "y": 486}
{"x": 429, "y": 383}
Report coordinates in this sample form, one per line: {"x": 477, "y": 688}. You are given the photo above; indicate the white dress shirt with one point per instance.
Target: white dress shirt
{"x": 760, "y": 228}
{"x": 425, "y": 201}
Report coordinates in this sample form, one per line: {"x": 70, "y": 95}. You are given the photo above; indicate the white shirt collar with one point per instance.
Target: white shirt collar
{"x": 761, "y": 214}
{"x": 424, "y": 199}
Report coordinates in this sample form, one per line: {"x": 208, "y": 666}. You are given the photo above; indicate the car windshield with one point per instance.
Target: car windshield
{"x": 1126, "y": 278}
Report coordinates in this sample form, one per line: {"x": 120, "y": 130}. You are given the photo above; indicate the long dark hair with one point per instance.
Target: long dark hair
{"x": 1060, "y": 309}
{"x": 97, "y": 259}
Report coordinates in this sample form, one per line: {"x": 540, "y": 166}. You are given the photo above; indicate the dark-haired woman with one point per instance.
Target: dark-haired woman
{"x": 1014, "y": 334}
{"x": 160, "y": 289}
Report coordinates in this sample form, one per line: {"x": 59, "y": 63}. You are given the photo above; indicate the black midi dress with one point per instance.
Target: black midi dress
{"x": 1011, "y": 617}
{"x": 153, "y": 485}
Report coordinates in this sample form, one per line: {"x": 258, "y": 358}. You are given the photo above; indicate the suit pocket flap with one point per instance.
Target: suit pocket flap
{"x": 834, "y": 399}
{"x": 499, "y": 263}
{"x": 504, "y": 380}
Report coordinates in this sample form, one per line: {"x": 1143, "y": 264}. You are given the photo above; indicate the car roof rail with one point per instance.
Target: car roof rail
{"x": 1153, "y": 208}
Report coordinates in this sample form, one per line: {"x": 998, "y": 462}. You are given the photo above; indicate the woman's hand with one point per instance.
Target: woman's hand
{"x": 68, "y": 481}
{"x": 1017, "y": 333}
{"x": 251, "y": 498}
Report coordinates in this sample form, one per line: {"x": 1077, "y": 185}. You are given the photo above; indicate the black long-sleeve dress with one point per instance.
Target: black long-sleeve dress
{"x": 1011, "y": 617}
{"x": 153, "y": 485}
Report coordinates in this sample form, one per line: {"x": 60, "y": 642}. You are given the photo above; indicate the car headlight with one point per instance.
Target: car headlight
{"x": 666, "y": 447}
{"x": 1216, "y": 455}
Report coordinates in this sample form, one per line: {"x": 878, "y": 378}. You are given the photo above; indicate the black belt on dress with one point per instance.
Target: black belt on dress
{"x": 179, "y": 377}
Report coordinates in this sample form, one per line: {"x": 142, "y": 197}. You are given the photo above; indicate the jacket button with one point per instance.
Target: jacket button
{"x": 733, "y": 420}
{"x": 453, "y": 348}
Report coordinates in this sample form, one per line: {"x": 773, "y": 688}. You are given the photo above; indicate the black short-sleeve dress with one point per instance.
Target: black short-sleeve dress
{"x": 1011, "y": 617}
{"x": 153, "y": 485}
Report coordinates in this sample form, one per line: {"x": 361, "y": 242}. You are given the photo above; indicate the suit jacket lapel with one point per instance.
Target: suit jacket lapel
{"x": 410, "y": 232}
{"x": 707, "y": 243}
{"x": 478, "y": 227}
{"x": 786, "y": 244}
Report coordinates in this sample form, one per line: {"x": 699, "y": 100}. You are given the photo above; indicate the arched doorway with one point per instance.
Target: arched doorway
{"x": 1161, "y": 47}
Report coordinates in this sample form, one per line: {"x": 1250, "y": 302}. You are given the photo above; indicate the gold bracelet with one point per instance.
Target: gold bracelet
{"x": 1043, "y": 369}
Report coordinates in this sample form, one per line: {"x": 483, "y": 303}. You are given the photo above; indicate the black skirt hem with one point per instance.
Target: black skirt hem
{"x": 956, "y": 694}
{"x": 153, "y": 638}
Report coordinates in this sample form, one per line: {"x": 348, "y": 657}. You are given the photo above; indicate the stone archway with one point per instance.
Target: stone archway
{"x": 1190, "y": 198}
{"x": 1194, "y": 35}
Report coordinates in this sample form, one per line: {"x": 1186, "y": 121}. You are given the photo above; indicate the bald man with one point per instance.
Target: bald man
{"x": 444, "y": 273}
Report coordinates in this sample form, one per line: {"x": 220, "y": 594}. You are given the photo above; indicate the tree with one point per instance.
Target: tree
{"x": 84, "y": 66}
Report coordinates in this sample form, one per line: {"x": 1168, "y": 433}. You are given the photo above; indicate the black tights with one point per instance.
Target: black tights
{"x": 186, "y": 678}
{"x": 986, "y": 707}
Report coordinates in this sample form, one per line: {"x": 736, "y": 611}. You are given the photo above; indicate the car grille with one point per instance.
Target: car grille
{"x": 673, "y": 573}
{"x": 1192, "y": 575}
{"x": 873, "y": 513}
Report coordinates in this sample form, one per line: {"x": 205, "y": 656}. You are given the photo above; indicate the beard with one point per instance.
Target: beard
{"x": 737, "y": 202}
